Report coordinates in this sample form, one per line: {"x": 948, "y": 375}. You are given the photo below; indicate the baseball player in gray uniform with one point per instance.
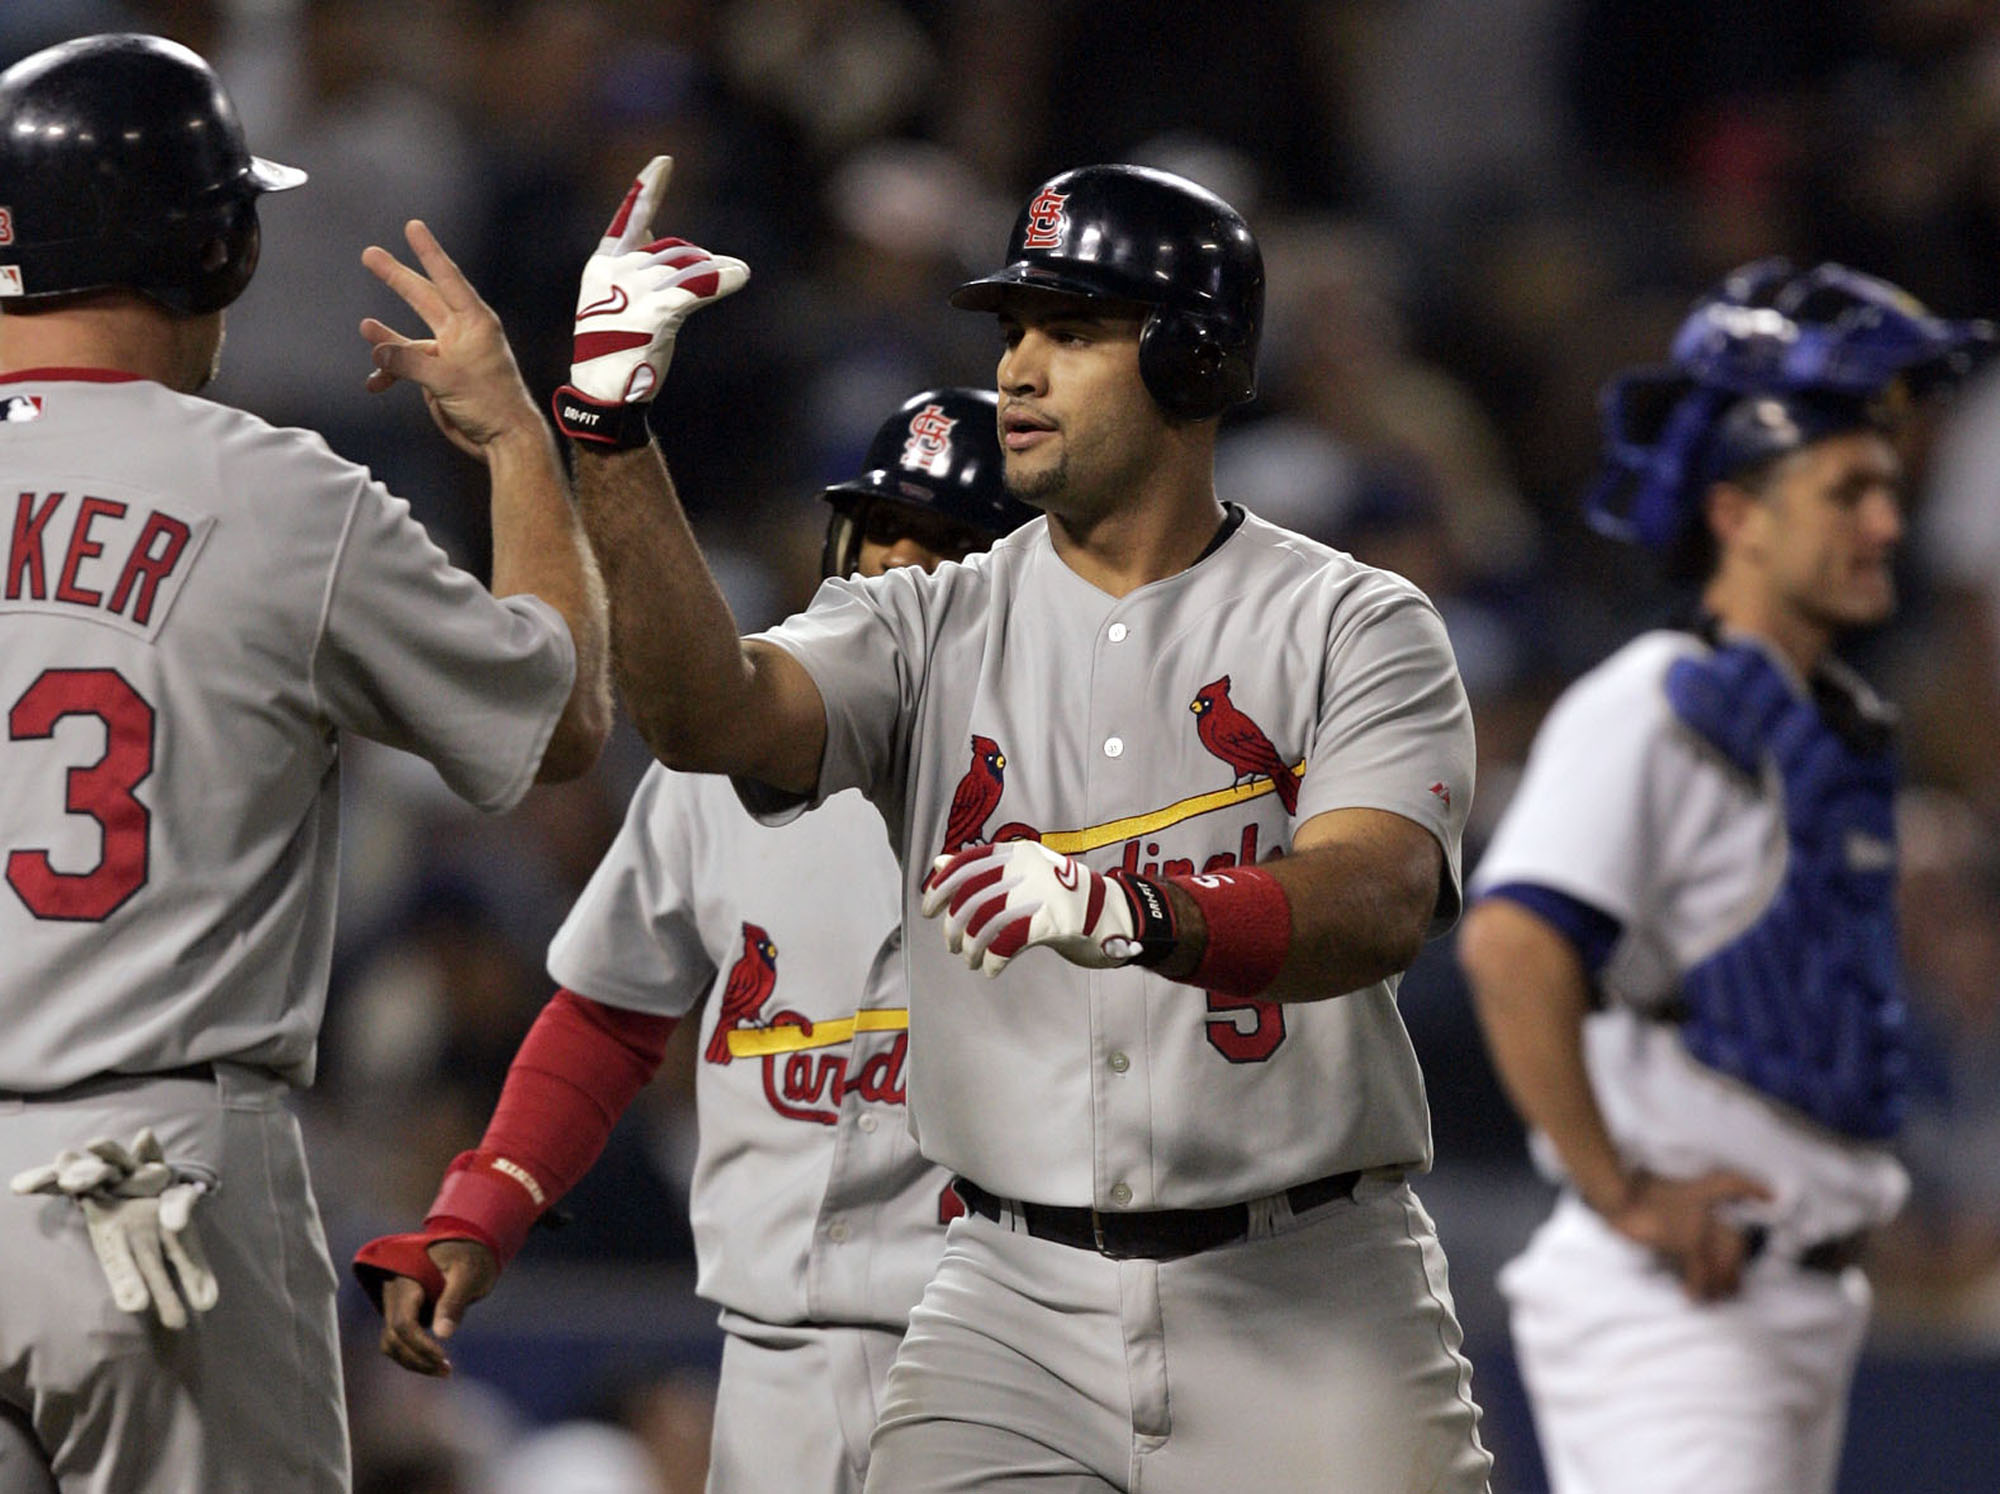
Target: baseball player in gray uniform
{"x": 1684, "y": 950}
{"x": 1220, "y": 771}
{"x": 816, "y": 1222}
{"x": 195, "y": 608}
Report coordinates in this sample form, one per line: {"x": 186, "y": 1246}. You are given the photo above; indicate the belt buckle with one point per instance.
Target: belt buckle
{"x": 1110, "y": 1249}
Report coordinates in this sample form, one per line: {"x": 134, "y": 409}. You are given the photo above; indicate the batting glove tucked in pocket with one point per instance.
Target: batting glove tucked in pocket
{"x": 1001, "y": 899}
{"x": 141, "y": 1223}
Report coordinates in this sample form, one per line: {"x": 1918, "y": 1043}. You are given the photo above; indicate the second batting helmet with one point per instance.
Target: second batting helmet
{"x": 1130, "y": 233}
{"x": 940, "y": 451}
{"x": 1767, "y": 362}
{"x": 122, "y": 163}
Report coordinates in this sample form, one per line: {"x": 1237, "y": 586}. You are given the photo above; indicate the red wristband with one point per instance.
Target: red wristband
{"x": 1249, "y": 924}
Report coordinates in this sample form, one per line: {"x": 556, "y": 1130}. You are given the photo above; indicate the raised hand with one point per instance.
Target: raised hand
{"x": 636, "y": 292}
{"x": 465, "y": 367}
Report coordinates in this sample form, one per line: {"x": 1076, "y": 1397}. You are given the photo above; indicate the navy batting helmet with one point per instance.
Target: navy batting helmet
{"x": 122, "y": 163}
{"x": 1767, "y": 362}
{"x": 1130, "y": 233}
{"x": 939, "y": 452}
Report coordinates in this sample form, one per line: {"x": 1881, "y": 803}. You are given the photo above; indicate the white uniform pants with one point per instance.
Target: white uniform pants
{"x": 1320, "y": 1354}
{"x": 247, "y": 1399}
{"x": 1637, "y": 1390}
{"x": 795, "y": 1406}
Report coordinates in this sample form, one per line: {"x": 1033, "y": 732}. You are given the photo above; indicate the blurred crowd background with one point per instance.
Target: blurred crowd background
{"x": 1472, "y": 211}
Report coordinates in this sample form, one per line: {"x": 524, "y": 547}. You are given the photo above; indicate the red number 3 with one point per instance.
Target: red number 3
{"x": 102, "y": 790}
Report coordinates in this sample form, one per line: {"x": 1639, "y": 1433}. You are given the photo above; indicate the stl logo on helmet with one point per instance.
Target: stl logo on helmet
{"x": 929, "y": 446}
{"x": 6, "y": 225}
{"x": 1045, "y": 221}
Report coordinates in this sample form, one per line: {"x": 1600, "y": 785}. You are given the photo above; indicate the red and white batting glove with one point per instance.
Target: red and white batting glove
{"x": 636, "y": 292}
{"x": 1001, "y": 899}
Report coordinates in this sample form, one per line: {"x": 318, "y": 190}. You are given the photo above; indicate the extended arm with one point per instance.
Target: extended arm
{"x": 703, "y": 699}
{"x": 1532, "y": 994}
{"x": 476, "y": 395}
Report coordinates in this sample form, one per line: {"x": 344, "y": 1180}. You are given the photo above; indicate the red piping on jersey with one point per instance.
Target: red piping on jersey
{"x": 71, "y": 376}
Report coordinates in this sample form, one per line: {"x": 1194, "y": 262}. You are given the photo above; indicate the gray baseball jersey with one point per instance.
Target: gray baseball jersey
{"x": 810, "y": 1203}
{"x": 194, "y": 606}
{"x": 1006, "y": 696}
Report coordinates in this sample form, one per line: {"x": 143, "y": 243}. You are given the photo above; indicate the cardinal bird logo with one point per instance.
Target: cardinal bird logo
{"x": 747, "y": 989}
{"x": 978, "y": 793}
{"x": 1237, "y": 740}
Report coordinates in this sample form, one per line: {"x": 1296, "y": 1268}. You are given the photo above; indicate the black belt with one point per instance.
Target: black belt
{"x": 1829, "y": 1256}
{"x": 1154, "y": 1234}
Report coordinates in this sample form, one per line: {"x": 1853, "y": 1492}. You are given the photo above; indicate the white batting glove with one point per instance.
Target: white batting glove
{"x": 636, "y": 292}
{"x": 1001, "y": 899}
{"x": 141, "y": 1222}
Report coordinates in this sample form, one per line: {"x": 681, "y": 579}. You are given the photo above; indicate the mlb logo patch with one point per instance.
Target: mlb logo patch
{"x": 10, "y": 280}
{"x": 16, "y": 407}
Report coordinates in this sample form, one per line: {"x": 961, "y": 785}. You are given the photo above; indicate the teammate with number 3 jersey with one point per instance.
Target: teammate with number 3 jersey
{"x": 195, "y": 610}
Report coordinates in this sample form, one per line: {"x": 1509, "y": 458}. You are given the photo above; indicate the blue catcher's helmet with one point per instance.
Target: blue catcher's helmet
{"x": 1767, "y": 362}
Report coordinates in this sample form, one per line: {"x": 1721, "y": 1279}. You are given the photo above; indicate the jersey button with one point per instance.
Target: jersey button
{"x": 1116, "y": 632}
{"x": 867, "y": 1121}
{"x": 837, "y": 1231}
{"x": 1121, "y": 1194}
{"x": 1114, "y": 746}
{"x": 1119, "y": 1063}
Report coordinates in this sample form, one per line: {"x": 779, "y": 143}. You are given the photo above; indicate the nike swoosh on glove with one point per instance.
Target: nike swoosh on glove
{"x": 1001, "y": 899}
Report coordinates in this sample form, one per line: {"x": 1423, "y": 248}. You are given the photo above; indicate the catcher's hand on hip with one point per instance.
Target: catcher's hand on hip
{"x": 1001, "y": 899}
{"x": 636, "y": 292}
{"x": 141, "y": 1223}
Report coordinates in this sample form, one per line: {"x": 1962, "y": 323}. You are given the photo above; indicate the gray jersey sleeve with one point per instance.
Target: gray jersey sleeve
{"x": 866, "y": 643}
{"x": 415, "y": 653}
{"x": 1394, "y": 728}
{"x": 633, "y": 938}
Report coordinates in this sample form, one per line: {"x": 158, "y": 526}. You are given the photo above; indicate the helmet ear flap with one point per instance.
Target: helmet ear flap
{"x": 1189, "y": 368}
{"x": 842, "y": 551}
{"x": 225, "y": 253}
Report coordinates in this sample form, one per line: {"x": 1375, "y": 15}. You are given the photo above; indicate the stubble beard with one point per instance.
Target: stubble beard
{"x": 1036, "y": 489}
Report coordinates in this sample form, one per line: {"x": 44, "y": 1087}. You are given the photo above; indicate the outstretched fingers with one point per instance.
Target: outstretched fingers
{"x": 437, "y": 293}
{"x": 447, "y": 279}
